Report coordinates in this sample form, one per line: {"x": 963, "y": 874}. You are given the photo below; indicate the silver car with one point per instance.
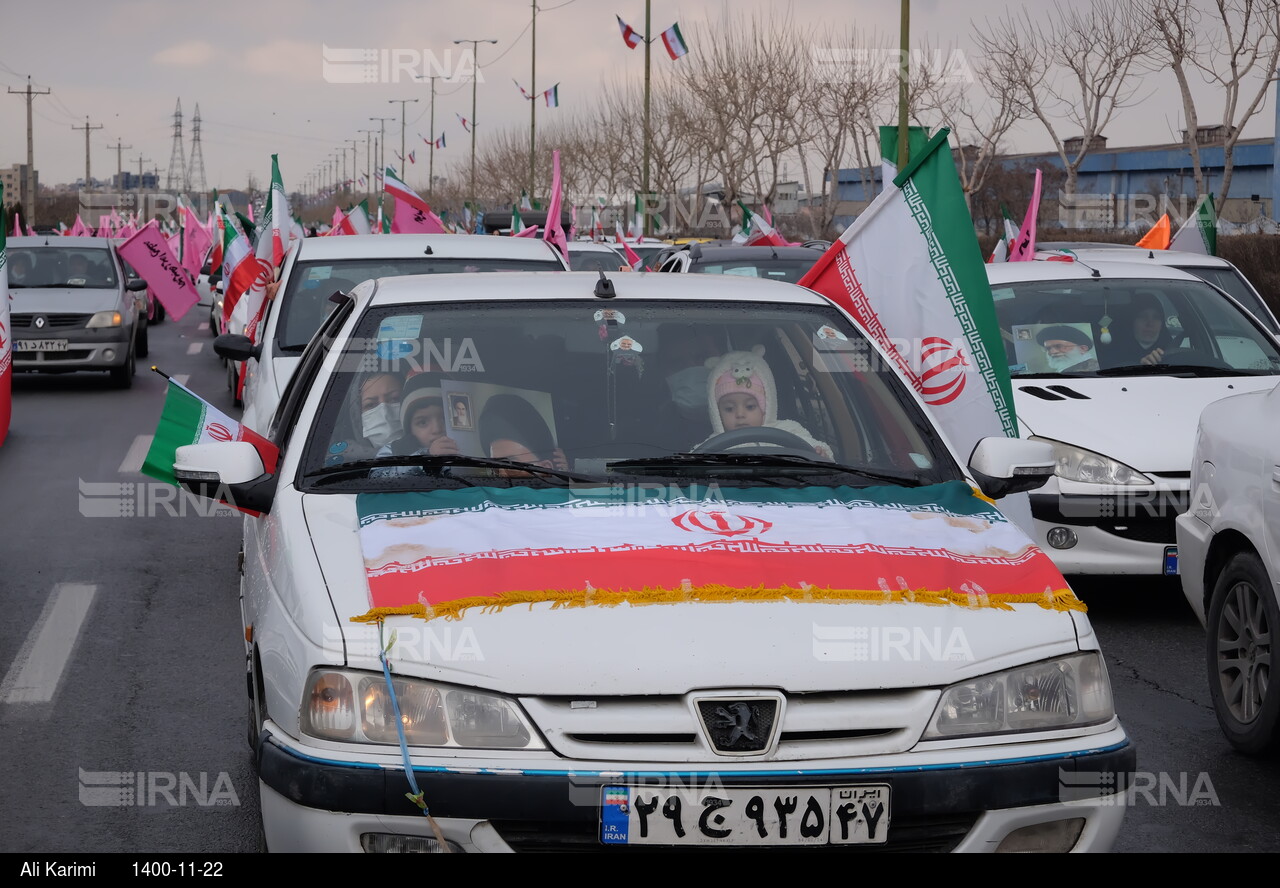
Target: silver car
{"x": 73, "y": 307}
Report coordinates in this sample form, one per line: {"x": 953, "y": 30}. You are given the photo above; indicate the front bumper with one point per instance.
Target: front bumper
{"x": 86, "y": 350}
{"x": 1125, "y": 532}
{"x": 314, "y": 803}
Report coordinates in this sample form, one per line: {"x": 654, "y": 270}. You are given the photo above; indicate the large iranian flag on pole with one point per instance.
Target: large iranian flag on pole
{"x": 436, "y": 553}
{"x": 189, "y": 419}
{"x": 910, "y": 271}
{"x": 6, "y": 337}
{"x": 1199, "y": 234}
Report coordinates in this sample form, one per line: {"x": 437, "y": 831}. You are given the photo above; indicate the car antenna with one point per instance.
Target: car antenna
{"x": 428, "y": 251}
{"x": 604, "y": 287}
{"x": 1151, "y": 254}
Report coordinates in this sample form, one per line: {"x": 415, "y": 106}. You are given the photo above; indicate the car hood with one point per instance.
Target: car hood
{"x": 676, "y": 646}
{"x": 1148, "y": 423}
{"x": 63, "y": 300}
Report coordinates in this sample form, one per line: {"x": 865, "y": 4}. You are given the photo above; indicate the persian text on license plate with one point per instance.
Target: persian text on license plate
{"x": 40, "y": 345}
{"x": 632, "y": 815}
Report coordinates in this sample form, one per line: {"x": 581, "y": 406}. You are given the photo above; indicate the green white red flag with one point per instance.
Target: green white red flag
{"x": 189, "y": 419}
{"x": 436, "y": 553}
{"x": 910, "y": 272}
{"x": 629, "y": 34}
{"x": 1199, "y": 233}
{"x": 673, "y": 40}
{"x": 412, "y": 214}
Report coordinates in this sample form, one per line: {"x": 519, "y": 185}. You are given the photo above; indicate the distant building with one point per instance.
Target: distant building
{"x": 14, "y": 179}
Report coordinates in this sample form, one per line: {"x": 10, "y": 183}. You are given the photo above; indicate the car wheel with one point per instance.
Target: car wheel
{"x": 144, "y": 345}
{"x": 159, "y": 313}
{"x": 233, "y": 382}
{"x": 122, "y": 376}
{"x": 213, "y": 320}
{"x": 1243, "y": 615}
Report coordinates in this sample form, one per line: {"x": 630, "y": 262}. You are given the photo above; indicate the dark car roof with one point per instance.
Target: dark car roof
{"x": 736, "y": 252}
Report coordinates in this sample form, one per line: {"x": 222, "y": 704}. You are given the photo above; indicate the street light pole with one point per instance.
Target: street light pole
{"x": 475, "y": 77}
{"x": 368, "y": 159}
{"x": 403, "y": 157}
{"x": 382, "y": 152}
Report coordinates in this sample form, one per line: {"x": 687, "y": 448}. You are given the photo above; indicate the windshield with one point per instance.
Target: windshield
{"x": 774, "y": 269}
{"x": 1117, "y": 327}
{"x": 77, "y": 268}
{"x": 777, "y": 394}
{"x": 305, "y": 303}
{"x": 1230, "y": 280}
{"x": 594, "y": 260}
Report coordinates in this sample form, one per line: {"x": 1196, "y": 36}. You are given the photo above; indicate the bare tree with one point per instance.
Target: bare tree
{"x": 1074, "y": 65}
{"x": 1228, "y": 43}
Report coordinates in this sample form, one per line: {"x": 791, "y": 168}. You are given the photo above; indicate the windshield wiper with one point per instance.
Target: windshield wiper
{"x": 362, "y": 467}
{"x": 791, "y": 462}
{"x": 1183, "y": 370}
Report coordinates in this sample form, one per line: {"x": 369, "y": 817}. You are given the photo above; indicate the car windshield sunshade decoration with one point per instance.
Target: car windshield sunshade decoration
{"x": 436, "y": 553}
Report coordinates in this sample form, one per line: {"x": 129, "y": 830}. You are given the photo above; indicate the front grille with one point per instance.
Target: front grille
{"x": 925, "y": 834}
{"x": 74, "y": 354}
{"x": 60, "y": 321}
{"x": 669, "y": 729}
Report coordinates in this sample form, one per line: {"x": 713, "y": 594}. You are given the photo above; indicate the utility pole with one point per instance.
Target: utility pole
{"x": 404, "y": 158}
{"x": 381, "y": 152}
{"x": 119, "y": 148}
{"x": 88, "y": 183}
{"x": 475, "y": 77}
{"x": 647, "y": 228}
{"x": 431, "y": 156}
{"x": 353, "y": 143}
{"x": 368, "y": 159}
{"x": 533, "y": 91}
{"x": 904, "y": 73}
{"x": 29, "y": 181}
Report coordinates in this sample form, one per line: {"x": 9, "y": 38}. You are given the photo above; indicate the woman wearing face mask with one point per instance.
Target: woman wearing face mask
{"x": 373, "y": 412}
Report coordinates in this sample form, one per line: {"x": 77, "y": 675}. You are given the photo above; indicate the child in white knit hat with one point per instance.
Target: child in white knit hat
{"x": 742, "y": 394}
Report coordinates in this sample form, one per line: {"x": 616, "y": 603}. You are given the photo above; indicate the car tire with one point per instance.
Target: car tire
{"x": 144, "y": 344}
{"x": 122, "y": 376}
{"x": 233, "y": 382}
{"x": 158, "y": 315}
{"x": 1243, "y": 617}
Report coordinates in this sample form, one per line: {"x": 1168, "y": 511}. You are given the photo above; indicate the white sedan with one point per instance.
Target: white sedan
{"x": 1112, "y": 363}
{"x": 1229, "y": 543}
{"x": 488, "y": 606}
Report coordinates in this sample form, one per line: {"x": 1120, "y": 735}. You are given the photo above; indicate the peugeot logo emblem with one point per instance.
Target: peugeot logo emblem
{"x": 740, "y": 725}
{"x": 39, "y": 322}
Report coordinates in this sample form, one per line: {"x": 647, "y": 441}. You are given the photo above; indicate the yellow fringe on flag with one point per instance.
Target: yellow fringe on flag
{"x": 1059, "y": 599}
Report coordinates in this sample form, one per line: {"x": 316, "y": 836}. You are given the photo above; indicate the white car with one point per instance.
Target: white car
{"x": 1122, "y": 419}
{"x": 1229, "y": 544}
{"x": 592, "y": 640}
{"x": 1214, "y": 269}
{"x": 319, "y": 266}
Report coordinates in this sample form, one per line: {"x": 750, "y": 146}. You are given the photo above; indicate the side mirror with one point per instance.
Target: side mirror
{"x": 1002, "y": 466}
{"x": 226, "y": 471}
{"x": 236, "y": 347}
{"x": 136, "y": 285}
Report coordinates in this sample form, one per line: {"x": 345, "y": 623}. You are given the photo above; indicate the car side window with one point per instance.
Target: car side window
{"x": 299, "y": 383}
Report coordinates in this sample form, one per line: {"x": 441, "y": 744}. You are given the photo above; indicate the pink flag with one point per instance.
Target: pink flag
{"x": 196, "y": 241}
{"x": 528, "y": 231}
{"x": 412, "y": 214}
{"x": 1024, "y": 248}
{"x": 148, "y": 252}
{"x": 17, "y": 225}
{"x": 554, "y": 231}
{"x": 80, "y": 229}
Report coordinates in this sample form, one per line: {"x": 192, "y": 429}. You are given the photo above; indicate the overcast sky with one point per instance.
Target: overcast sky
{"x": 258, "y": 72}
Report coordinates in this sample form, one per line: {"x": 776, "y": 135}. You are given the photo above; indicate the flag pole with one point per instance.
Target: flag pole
{"x": 533, "y": 91}
{"x": 645, "y": 227}
{"x": 903, "y": 71}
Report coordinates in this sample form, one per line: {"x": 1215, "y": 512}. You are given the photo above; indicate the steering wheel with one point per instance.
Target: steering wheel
{"x": 771, "y": 439}
{"x": 1194, "y": 357}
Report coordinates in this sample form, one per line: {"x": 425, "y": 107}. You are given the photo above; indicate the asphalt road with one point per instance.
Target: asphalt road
{"x": 122, "y": 702}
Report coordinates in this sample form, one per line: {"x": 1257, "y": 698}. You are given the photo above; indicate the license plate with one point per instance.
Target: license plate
{"x": 1170, "y": 561}
{"x": 669, "y": 815}
{"x": 40, "y": 345}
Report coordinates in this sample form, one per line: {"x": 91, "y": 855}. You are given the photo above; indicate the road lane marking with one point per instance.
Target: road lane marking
{"x": 181, "y": 378}
{"x": 38, "y": 668}
{"x": 203, "y": 327}
{"x": 195, "y": 348}
{"x": 136, "y": 456}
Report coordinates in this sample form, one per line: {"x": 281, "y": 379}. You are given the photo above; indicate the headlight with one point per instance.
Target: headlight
{"x": 1078, "y": 464}
{"x": 357, "y": 707}
{"x": 1069, "y": 692}
{"x": 105, "y": 319}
